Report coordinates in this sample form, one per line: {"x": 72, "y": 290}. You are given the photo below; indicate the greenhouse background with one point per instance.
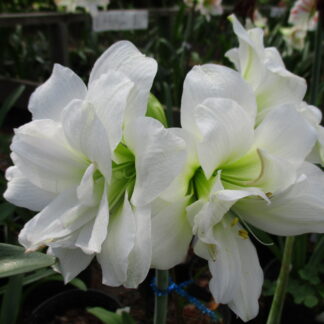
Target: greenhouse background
{"x": 34, "y": 35}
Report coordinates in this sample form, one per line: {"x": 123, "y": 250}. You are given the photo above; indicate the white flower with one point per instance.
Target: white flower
{"x": 271, "y": 82}
{"x": 236, "y": 171}
{"x": 206, "y": 7}
{"x": 90, "y": 6}
{"x": 91, "y": 163}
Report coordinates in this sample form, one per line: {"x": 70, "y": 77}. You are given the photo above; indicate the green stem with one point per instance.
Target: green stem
{"x": 161, "y": 302}
{"x": 282, "y": 282}
{"x": 316, "y": 69}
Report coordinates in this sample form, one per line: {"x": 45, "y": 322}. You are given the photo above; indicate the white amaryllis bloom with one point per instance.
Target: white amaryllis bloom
{"x": 91, "y": 163}
{"x": 236, "y": 173}
{"x": 271, "y": 82}
{"x": 90, "y": 6}
{"x": 206, "y": 7}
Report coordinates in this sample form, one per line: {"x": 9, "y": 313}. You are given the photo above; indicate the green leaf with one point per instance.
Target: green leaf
{"x": 14, "y": 260}
{"x": 9, "y": 102}
{"x": 105, "y": 316}
{"x": 310, "y": 301}
{"x": 155, "y": 110}
{"x": 11, "y": 300}
{"x": 76, "y": 282}
{"x": 127, "y": 319}
{"x": 28, "y": 279}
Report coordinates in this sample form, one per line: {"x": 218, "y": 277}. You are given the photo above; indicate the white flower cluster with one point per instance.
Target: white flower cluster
{"x": 110, "y": 183}
{"x": 206, "y": 8}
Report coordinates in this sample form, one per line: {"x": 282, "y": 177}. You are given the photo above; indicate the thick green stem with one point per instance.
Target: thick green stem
{"x": 282, "y": 282}
{"x": 316, "y": 69}
{"x": 161, "y": 302}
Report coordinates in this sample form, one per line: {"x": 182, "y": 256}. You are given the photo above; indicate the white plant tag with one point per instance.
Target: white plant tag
{"x": 120, "y": 20}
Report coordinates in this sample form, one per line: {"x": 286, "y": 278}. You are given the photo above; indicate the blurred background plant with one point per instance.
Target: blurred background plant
{"x": 181, "y": 34}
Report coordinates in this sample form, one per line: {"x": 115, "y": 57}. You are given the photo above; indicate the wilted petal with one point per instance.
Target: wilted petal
{"x": 171, "y": 233}
{"x": 43, "y": 155}
{"x": 226, "y": 133}
{"x": 237, "y": 275}
{"x": 216, "y": 81}
{"x": 87, "y": 134}
{"x": 49, "y": 99}
{"x": 120, "y": 241}
{"x": 23, "y": 193}
{"x": 159, "y": 156}
{"x": 72, "y": 262}
{"x": 297, "y": 210}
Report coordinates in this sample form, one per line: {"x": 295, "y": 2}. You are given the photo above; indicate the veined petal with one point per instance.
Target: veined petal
{"x": 226, "y": 133}
{"x": 62, "y": 217}
{"x": 43, "y": 155}
{"x": 217, "y": 81}
{"x": 159, "y": 156}
{"x": 87, "y": 134}
{"x": 23, "y": 193}
{"x": 285, "y": 134}
{"x": 120, "y": 241}
{"x": 171, "y": 233}
{"x": 109, "y": 97}
{"x": 49, "y": 99}
{"x": 72, "y": 262}
{"x": 276, "y": 174}
{"x": 139, "y": 260}
{"x": 297, "y": 210}
{"x": 237, "y": 275}
{"x": 124, "y": 57}
{"x": 94, "y": 233}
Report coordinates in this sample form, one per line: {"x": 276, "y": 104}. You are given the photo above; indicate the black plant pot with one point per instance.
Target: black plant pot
{"x": 71, "y": 299}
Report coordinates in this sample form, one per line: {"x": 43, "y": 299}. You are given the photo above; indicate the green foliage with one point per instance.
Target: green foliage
{"x": 306, "y": 280}
{"x": 109, "y": 317}
{"x": 14, "y": 260}
{"x": 156, "y": 110}
{"x": 11, "y": 300}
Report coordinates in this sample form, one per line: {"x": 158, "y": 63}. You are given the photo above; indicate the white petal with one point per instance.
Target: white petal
{"x": 71, "y": 262}
{"x": 217, "y": 81}
{"x": 124, "y": 57}
{"x": 62, "y": 217}
{"x": 48, "y": 100}
{"x": 109, "y": 97}
{"x": 118, "y": 245}
{"x": 237, "y": 275}
{"x": 278, "y": 86}
{"x": 276, "y": 174}
{"x": 21, "y": 192}
{"x": 297, "y": 210}
{"x": 43, "y": 155}
{"x": 219, "y": 203}
{"x": 284, "y": 133}
{"x": 87, "y": 134}
{"x": 171, "y": 233}
{"x": 140, "y": 258}
{"x": 159, "y": 156}
{"x": 94, "y": 233}
{"x": 226, "y": 133}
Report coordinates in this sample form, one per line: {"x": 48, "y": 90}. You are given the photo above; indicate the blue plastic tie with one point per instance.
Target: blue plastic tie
{"x": 179, "y": 290}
